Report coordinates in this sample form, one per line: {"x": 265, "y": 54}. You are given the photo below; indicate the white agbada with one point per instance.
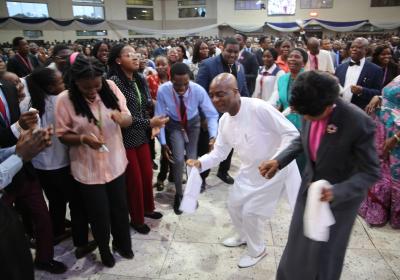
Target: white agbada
{"x": 257, "y": 132}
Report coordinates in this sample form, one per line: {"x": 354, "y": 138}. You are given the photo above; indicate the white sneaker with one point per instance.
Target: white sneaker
{"x": 233, "y": 242}
{"x": 247, "y": 261}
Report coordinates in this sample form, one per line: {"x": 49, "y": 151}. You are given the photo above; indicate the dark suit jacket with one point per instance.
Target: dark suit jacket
{"x": 212, "y": 66}
{"x": 7, "y": 138}
{"x": 250, "y": 64}
{"x": 348, "y": 160}
{"x": 370, "y": 79}
{"x": 259, "y": 55}
{"x": 17, "y": 66}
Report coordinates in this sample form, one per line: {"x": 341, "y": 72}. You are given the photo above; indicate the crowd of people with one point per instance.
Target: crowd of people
{"x": 79, "y": 126}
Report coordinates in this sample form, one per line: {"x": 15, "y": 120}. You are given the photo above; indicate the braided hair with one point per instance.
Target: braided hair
{"x": 89, "y": 68}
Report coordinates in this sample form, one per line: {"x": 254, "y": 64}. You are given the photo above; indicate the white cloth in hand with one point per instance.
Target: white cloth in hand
{"x": 192, "y": 191}
{"x": 318, "y": 216}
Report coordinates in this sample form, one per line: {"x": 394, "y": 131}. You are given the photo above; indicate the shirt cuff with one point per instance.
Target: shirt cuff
{"x": 9, "y": 168}
{"x": 16, "y": 129}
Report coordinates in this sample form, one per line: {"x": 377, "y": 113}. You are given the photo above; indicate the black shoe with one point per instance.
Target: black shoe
{"x": 155, "y": 166}
{"x": 31, "y": 242}
{"x": 68, "y": 223}
{"x": 61, "y": 237}
{"x": 203, "y": 187}
{"x": 82, "y": 251}
{"x": 143, "y": 229}
{"x": 107, "y": 258}
{"x": 127, "y": 254}
{"x": 155, "y": 215}
{"x": 177, "y": 204}
{"x": 226, "y": 178}
{"x": 52, "y": 266}
{"x": 159, "y": 186}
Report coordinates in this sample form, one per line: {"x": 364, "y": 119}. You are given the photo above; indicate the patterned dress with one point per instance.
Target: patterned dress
{"x": 382, "y": 204}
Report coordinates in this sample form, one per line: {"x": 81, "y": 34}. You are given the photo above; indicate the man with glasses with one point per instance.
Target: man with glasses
{"x": 255, "y": 130}
{"x": 60, "y": 56}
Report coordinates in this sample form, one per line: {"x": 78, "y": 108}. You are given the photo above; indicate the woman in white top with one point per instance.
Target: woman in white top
{"x": 267, "y": 75}
{"x": 52, "y": 164}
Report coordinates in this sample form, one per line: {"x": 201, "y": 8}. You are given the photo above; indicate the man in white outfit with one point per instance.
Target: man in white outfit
{"x": 255, "y": 130}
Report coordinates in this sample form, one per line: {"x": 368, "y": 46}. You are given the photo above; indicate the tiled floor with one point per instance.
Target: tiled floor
{"x": 189, "y": 247}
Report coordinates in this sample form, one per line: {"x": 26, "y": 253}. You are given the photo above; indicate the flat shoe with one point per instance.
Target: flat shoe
{"x": 155, "y": 215}
{"x": 247, "y": 261}
{"x": 233, "y": 242}
{"x": 143, "y": 228}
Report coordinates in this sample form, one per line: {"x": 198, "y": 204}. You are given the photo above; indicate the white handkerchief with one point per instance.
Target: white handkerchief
{"x": 287, "y": 111}
{"x": 318, "y": 216}
{"x": 192, "y": 191}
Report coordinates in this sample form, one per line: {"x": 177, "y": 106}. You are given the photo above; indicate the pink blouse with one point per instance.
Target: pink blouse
{"x": 89, "y": 166}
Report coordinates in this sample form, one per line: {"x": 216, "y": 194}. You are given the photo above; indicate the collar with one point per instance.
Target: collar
{"x": 270, "y": 69}
{"x": 185, "y": 95}
{"x": 362, "y": 62}
{"x": 224, "y": 62}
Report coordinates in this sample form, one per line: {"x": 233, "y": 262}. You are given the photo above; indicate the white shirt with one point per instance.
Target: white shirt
{"x": 266, "y": 85}
{"x": 325, "y": 62}
{"x": 352, "y": 75}
{"x": 257, "y": 132}
{"x": 55, "y": 156}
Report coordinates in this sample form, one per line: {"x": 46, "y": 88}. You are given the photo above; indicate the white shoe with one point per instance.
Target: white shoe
{"x": 247, "y": 261}
{"x": 233, "y": 242}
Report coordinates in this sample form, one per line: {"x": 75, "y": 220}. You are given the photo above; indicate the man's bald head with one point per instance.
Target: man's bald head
{"x": 313, "y": 45}
{"x": 358, "y": 49}
{"x": 224, "y": 93}
{"x": 362, "y": 41}
{"x": 224, "y": 79}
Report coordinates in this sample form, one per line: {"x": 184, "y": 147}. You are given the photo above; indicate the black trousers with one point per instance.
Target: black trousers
{"x": 225, "y": 165}
{"x": 165, "y": 165}
{"x": 202, "y": 148}
{"x": 60, "y": 188}
{"x": 57, "y": 186}
{"x": 15, "y": 256}
{"x": 107, "y": 208}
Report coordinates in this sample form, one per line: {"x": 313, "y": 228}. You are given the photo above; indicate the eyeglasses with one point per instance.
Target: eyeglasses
{"x": 132, "y": 55}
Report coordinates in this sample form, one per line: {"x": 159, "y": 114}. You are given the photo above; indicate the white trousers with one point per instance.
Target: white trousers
{"x": 249, "y": 223}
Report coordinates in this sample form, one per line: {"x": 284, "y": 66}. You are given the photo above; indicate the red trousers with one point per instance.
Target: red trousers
{"x": 139, "y": 178}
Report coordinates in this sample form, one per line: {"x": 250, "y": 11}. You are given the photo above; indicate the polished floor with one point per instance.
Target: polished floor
{"x": 189, "y": 246}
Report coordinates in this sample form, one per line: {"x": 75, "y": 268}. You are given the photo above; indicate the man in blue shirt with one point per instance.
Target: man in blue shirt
{"x": 180, "y": 100}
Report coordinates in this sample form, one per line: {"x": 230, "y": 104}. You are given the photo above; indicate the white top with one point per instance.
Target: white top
{"x": 257, "y": 132}
{"x": 266, "y": 84}
{"x": 352, "y": 75}
{"x": 24, "y": 104}
{"x": 325, "y": 62}
{"x": 55, "y": 156}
